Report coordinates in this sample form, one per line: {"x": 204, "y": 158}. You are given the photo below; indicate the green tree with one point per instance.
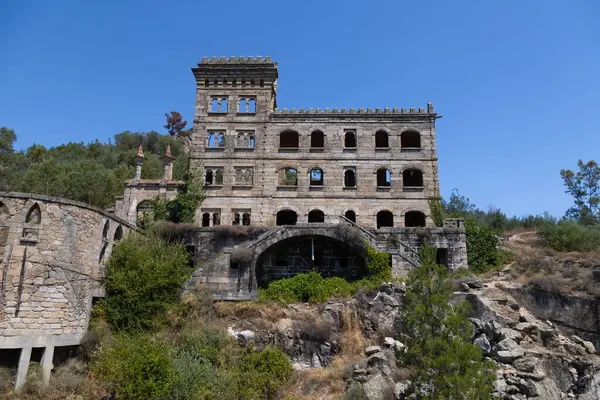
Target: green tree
{"x": 438, "y": 338}
{"x": 143, "y": 279}
{"x": 584, "y": 186}
{"x": 7, "y": 139}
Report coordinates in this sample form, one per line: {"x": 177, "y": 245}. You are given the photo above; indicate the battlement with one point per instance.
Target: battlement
{"x": 236, "y": 60}
{"x": 426, "y": 112}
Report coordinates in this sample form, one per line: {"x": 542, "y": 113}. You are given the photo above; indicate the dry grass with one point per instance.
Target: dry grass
{"x": 552, "y": 271}
{"x": 330, "y": 383}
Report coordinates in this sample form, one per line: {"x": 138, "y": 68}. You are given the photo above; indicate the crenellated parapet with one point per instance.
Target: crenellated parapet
{"x": 412, "y": 112}
{"x": 236, "y": 60}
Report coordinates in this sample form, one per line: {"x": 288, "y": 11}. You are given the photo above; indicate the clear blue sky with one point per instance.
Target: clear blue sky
{"x": 516, "y": 81}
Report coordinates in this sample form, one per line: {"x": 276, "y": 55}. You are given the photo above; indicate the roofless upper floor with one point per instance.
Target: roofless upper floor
{"x": 245, "y": 88}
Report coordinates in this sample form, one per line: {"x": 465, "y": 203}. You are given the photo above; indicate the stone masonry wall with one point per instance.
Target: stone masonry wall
{"x": 51, "y": 266}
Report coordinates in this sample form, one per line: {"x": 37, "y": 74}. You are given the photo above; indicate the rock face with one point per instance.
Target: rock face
{"x": 535, "y": 358}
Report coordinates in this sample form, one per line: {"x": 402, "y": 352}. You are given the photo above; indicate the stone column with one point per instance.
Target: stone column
{"x": 47, "y": 359}
{"x": 139, "y": 160}
{"x": 168, "y": 165}
{"x": 23, "y": 367}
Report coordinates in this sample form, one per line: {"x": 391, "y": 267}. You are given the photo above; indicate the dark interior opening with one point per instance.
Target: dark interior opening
{"x": 302, "y": 254}
{"x": 383, "y": 177}
{"x": 385, "y": 219}
{"x": 381, "y": 139}
{"x": 441, "y": 257}
{"x": 349, "y": 178}
{"x": 412, "y": 178}
{"x": 206, "y": 219}
{"x": 317, "y": 139}
{"x": 316, "y": 216}
{"x": 351, "y": 215}
{"x": 9, "y": 358}
{"x": 410, "y": 139}
{"x": 287, "y": 217}
{"x": 414, "y": 218}
{"x": 350, "y": 139}
{"x": 289, "y": 139}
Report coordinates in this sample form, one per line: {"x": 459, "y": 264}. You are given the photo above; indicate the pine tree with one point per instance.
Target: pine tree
{"x": 438, "y": 335}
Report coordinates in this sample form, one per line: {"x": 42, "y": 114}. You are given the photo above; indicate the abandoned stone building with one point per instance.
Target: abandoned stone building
{"x": 298, "y": 174}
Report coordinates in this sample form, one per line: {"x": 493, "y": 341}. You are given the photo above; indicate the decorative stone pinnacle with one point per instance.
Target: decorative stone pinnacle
{"x": 167, "y": 154}
{"x": 140, "y": 152}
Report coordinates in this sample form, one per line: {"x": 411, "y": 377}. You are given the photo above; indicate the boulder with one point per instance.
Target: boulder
{"x": 483, "y": 343}
{"x": 507, "y": 345}
{"x": 389, "y": 301}
{"x": 508, "y": 357}
{"x": 507, "y": 333}
{"x": 589, "y": 346}
{"x": 376, "y": 387}
{"x": 400, "y": 389}
{"x": 464, "y": 287}
{"x": 475, "y": 284}
{"x": 389, "y": 342}
{"x": 377, "y": 360}
{"x": 525, "y": 364}
{"x": 372, "y": 350}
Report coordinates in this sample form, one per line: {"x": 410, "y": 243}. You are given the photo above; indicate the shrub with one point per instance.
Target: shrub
{"x": 379, "y": 265}
{"x": 355, "y": 392}
{"x": 199, "y": 379}
{"x": 138, "y": 365}
{"x": 318, "y": 332}
{"x": 311, "y": 287}
{"x": 570, "y": 236}
{"x": 205, "y": 343}
{"x": 144, "y": 277}
{"x": 483, "y": 247}
{"x": 259, "y": 375}
{"x": 172, "y": 232}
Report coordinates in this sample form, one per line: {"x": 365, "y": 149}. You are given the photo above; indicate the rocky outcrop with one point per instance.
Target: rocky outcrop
{"x": 535, "y": 358}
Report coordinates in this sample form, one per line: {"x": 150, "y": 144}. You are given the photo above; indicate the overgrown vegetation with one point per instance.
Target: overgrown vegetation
{"x": 570, "y": 236}
{"x": 144, "y": 276}
{"x": 445, "y": 364}
{"x": 182, "y": 209}
{"x": 314, "y": 288}
{"x": 93, "y": 173}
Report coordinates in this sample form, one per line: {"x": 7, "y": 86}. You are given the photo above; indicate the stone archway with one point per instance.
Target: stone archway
{"x": 300, "y": 249}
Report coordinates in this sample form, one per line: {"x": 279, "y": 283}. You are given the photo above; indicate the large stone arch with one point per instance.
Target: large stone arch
{"x": 323, "y": 233}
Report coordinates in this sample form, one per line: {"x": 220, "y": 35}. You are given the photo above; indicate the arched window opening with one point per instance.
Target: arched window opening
{"x": 215, "y": 83}
{"x": 34, "y": 215}
{"x": 234, "y": 83}
{"x": 316, "y": 177}
{"x": 385, "y": 219}
{"x": 384, "y": 177}
{"x": 289, "y": 140}
{"x": 351, "y": 215}
{"x": 236, "y": 219}
{"x": 205, "y": 219}
{"x": 105, "y": 230}
{"x": 288, "y": 177}
{"x": 216, "y": 139}
{"x": 414, "y": 218}
{"x": 246, "y": 219}
{"x": 252, "y": 106}
{"x": 410, "y": 140}
{"x": 252, "y": 82}
{"x": 224, "y": 82}
{"x": 316, "y": 216}
{"x": 350, "y": 140}
{"x": 206, "y": 83}
{"x": 243, "y": 105}
{"x": 317, "y": 140}
{"x": 224, "y": 106}
{"x": 118, "y": 234}
{"x": 216, "y": 219}
{"x": 349, "y": 178}
{"x": 243, "y": 82}
{"x": 209, "y": 177}
{"x": 286, "y": 217}
{"x": 381, "y": 139}
{"x": 412, "y": 178}
{"x": 262, "y": 83}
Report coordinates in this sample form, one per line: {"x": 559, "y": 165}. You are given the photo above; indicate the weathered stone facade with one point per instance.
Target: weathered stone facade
{"x": 248, "y": 150}
{"x": 51, "y": 259}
